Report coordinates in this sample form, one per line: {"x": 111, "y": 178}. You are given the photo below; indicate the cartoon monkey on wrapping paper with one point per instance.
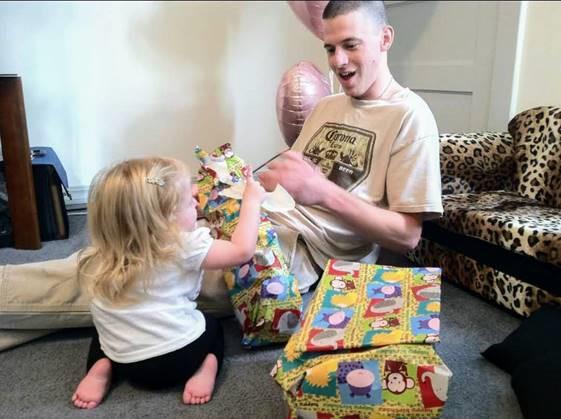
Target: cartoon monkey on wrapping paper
{"x": 396, "y": 379}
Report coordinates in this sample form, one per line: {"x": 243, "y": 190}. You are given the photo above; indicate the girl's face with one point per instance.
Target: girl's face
{"x": 186, "y": 215}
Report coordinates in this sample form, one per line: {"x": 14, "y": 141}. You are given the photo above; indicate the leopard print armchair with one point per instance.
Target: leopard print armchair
{"x": 476, "y": 162}
{"x": 537, "y": 151}
{"x": 500, "y": 235}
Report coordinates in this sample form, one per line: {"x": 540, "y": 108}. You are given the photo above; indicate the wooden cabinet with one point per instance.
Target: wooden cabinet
{"x": 17, "y": 161}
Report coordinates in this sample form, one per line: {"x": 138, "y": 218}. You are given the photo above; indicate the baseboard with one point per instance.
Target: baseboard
{"x": 79, "y": 198}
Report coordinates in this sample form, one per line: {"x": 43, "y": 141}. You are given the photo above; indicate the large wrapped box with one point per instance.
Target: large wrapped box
{"x": 365, "y": 346}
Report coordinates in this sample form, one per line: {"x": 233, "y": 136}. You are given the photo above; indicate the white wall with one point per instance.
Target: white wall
{"x": 105, "y": 81}
{"x": 539, "y": 82}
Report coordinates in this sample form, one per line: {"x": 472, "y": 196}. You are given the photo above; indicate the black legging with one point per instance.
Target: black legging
{"x": 171, "y": 368}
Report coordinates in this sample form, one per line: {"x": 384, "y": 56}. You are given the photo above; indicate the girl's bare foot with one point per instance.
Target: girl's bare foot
{"x": 198, "y": 388}
{"x": 94, "y": 385}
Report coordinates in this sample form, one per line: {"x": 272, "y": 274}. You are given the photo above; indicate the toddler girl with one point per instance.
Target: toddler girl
{"x": 143, "y": 271}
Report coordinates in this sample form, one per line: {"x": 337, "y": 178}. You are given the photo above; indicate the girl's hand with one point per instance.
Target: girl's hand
{"x": 253, "y": 192}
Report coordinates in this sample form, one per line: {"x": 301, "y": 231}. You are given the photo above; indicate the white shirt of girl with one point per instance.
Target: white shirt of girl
{"x": 164, "y": 317}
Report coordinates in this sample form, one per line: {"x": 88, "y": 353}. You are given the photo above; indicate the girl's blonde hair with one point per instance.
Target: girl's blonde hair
{"x": 131, "y": 211}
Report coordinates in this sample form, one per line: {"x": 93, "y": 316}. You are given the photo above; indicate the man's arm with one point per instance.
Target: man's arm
{"x": 392, "y": 230}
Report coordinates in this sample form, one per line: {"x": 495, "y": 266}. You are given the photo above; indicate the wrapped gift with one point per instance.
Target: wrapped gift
{"x": 263, "y": 292}
{"x": 365, "y": 346}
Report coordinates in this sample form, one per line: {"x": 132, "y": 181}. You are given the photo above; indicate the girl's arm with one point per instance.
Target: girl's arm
{"x": 241, "y": 247}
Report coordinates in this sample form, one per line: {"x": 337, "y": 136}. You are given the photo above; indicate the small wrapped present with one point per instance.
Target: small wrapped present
{"x": 263, "y": 292}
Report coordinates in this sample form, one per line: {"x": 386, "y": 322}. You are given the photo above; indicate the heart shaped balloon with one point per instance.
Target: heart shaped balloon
{"x": 309, "y": 13}
{"x": 300, "y": 89}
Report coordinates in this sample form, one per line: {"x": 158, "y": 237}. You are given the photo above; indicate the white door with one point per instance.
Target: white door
{"x": 459, "y": 56}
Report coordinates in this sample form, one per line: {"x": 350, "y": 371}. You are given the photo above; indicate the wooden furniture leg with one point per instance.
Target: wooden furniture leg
{"x": 17, "y": 163}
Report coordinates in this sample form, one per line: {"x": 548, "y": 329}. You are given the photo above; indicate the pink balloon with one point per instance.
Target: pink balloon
{"x": 300, "y": 89}
{"x": 309, "y": 13}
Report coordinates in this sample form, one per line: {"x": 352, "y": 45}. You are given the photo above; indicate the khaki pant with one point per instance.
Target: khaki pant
{"x": 39, "y": 298}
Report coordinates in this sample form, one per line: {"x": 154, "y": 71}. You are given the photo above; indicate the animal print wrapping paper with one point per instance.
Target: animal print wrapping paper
{"x": 264, "y": 294}
{"x": 365, "y": 346}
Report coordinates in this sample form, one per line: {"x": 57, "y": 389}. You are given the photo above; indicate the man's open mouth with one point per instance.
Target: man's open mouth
{"x": 346, "y": 75}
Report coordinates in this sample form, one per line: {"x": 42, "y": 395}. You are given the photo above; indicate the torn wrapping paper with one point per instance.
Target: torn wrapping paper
{"x": 263, "y": 292}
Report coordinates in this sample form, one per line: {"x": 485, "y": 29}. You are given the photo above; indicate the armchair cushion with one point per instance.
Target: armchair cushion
{"x": 515, "y": 223}
{"x": 476, "y": 162}
{"x": 536, "y": 137}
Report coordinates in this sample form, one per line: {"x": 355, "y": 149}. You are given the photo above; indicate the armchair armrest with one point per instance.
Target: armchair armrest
{"x": 476, "y": 162}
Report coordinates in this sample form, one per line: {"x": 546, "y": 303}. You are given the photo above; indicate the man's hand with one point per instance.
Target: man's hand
{"x": 308, "y": 186}
{"x": 303, "y": 180}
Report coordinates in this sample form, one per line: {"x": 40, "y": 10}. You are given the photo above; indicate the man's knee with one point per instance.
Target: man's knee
{"x": 214, "y": 297}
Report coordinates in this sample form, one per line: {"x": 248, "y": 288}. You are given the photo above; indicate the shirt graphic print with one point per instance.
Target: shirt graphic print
{"x": 343, "y": 152}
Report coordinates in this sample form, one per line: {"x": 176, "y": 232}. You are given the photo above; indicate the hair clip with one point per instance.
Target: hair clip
{"x": 155, "y": 181}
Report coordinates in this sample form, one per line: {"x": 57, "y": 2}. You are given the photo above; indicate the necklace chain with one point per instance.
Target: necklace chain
{"x": 385, "y": 88}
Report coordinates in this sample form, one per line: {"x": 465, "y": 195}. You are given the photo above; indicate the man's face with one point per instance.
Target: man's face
{"x": 354, "y": 47}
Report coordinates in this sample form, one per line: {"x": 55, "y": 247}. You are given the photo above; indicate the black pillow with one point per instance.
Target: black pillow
{"x": 537, "y": 335}
{"x": 536, "y": 385}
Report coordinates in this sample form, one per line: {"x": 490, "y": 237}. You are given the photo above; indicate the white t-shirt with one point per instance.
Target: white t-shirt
{"x": 165, "y": 317}
{"x": 386, "y": 152}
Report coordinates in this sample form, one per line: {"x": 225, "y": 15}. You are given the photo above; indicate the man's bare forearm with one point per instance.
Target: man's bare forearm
{"x": 393, "y": 230}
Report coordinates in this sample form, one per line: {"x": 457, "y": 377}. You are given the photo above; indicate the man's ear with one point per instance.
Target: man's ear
{"x": 386, "y": 40}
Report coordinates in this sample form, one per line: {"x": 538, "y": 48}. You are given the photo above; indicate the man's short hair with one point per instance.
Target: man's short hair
{"x": 375, "y": 9}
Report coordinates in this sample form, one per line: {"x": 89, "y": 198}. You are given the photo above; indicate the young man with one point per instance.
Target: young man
{"x": 374, "y": 174}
